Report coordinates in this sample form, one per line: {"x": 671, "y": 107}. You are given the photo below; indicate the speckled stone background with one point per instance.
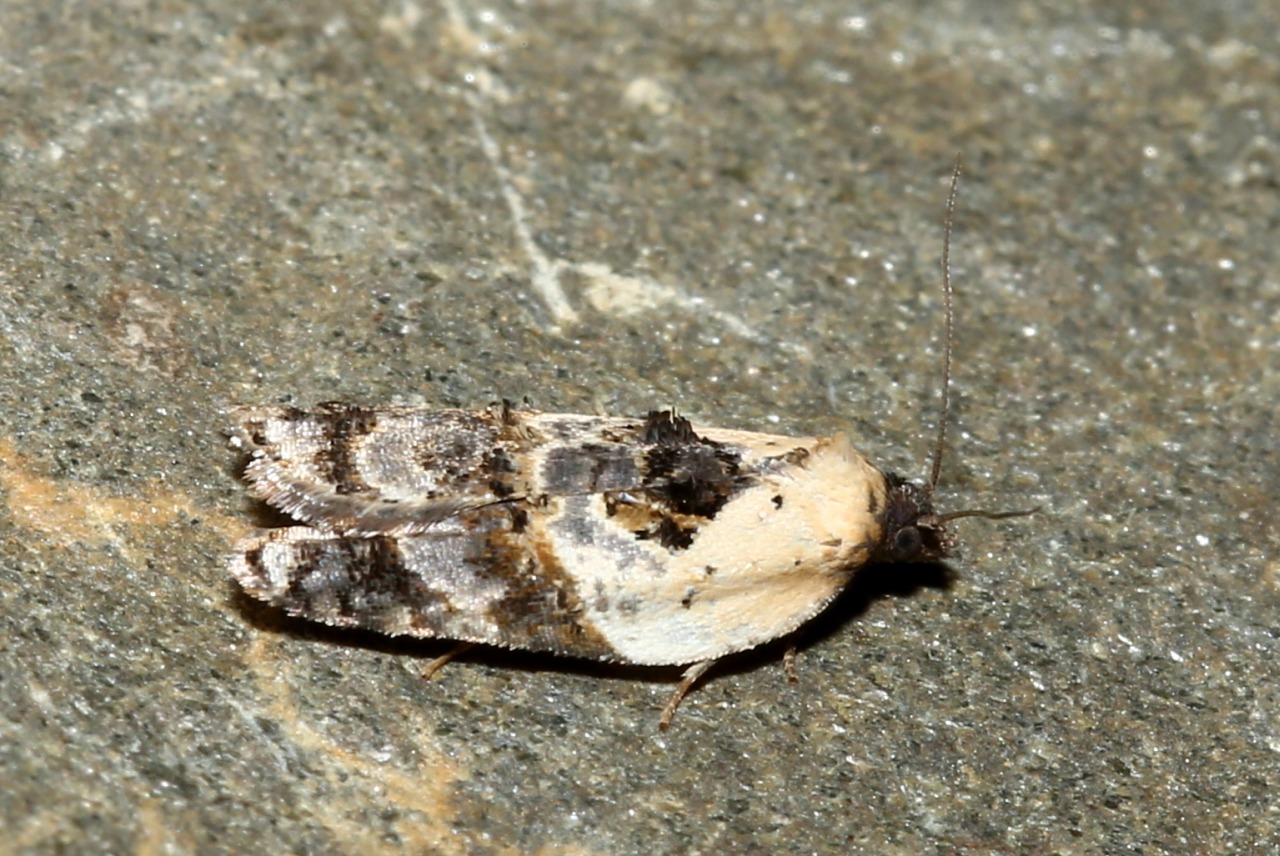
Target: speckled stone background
{"x": 606, "y": 207}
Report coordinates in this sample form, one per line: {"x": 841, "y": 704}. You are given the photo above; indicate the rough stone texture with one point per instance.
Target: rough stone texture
{"x": 615, "y": 207}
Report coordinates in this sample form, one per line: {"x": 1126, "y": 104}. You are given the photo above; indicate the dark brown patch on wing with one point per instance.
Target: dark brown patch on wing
{"x": 659, "y": 478}
{"x": 501, "y": 471}
{"x": 352, "y": 582}
{"x": 648, "y": 522}
{"x": 660, "y": 460}
{"x": 540, "y": 607}
{"x": 694, "y": 478}
{"x": 343, "y": 426}
{"x": 793, "y": 458}
{"x": 669, "y": 533}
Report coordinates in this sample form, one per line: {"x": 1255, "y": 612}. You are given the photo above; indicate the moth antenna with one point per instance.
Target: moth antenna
{"x": 949, "y": 326}
{"x": 949, "y": 312}
{"x": 989, "y": 515}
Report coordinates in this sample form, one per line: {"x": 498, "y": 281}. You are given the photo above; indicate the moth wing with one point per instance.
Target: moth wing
{"x": 473, "y": 577}
{"x": 363, "y": 471}
{"x": 658, "y": 468}
{"x": 669, "y": 588}
{"x": 359, "y": 470}
{"x": 621, "y": 574}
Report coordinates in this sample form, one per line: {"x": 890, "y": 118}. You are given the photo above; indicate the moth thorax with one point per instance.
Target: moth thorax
{"x": 911, "y": 531}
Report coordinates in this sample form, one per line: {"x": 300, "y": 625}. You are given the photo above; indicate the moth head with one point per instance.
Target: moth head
{"x": 913, "y": 531}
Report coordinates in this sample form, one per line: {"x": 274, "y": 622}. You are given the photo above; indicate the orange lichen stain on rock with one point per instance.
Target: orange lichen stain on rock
{"x": 67, "y": 513}
{"x": 162, "y": 830}
{"x": 1271, "y": 576}
{"x": 425, "y": 793}
{"x": 143, "y": 325}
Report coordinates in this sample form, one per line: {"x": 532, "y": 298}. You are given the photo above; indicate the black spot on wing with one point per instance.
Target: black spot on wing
{"x": 668, "y": 532}
{"x": 647, "y": 521}
{"x": 694, "y": 478}
{"x": 500, "y": 470}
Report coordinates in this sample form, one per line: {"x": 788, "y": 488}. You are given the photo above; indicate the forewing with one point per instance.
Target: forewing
{"x": 478, "y": 576}
{"x": 592, "y": 537}
{"x": 361, "y": 470}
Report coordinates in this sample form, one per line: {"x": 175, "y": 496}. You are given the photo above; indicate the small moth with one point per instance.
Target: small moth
{"x": 650, "y": 541}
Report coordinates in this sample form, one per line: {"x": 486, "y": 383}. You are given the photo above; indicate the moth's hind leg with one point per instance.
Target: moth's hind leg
{"x": 789, "y": 664}
{"x": 691, "y": 675}
{"x": 696, "y": 671}
{"x": 437, "y": 663}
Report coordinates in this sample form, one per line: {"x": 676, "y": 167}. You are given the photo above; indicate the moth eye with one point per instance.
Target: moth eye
{"x": 907, "y": 542}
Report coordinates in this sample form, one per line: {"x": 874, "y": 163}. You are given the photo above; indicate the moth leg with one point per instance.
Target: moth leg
{"x": 789, "y": 664}
{"x": 436, "y": 664}
{"x": 690, "y": 678}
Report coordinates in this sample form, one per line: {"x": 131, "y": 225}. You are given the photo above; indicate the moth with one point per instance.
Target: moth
{"x": 648, "y": 540}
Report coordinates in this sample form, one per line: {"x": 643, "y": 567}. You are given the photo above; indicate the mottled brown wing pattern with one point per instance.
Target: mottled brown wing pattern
{"x": 365, "y": 471}
{"x": 360, "y": 470}
{"x": 438, "y": 523}
{"x": 477, "y": 576}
